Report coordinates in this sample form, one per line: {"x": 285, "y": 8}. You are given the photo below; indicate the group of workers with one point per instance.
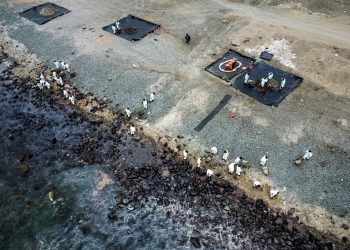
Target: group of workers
{"x": 45, "y": 83}
{"x": 116, "y": 27}
{"x": 237, "y": 164}
{"x": 144, "y": 104}
{"x": 264, "y": 80}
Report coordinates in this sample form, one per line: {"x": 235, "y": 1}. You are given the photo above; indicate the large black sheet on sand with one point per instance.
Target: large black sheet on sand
{"x": 271, "y": 98}
{"x": 33, "y": 14}
{"x": 143, "y": 28}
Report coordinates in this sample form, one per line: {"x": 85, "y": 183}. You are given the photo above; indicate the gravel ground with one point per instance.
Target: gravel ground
{"x": 307, "y": 118}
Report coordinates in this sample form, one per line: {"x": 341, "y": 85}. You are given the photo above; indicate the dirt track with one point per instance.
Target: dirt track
{"x": 311, "y": 28}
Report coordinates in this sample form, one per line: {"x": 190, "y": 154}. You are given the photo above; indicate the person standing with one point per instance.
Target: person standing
{"x": 237, "y": 161}
{"x": 231, "y": 168}
{"x": 225, "y": 155}
{"x": 151, "y": 97}
{"x": 144, "y": 103}
{"x": 72, "y": 99}
{"x": 307, "y": 155}
{"x": 270, "y": 76}
{"x": 199, "y": 162}
{"x": 283, "y": 83}
{"x": 57, "y": 65}
{"x": 65, "y": 93}
{"x": 117, "y": 26}
{"x": 128, "y": 112}
{"x": 187, "y": 38}
{"x": 263, "y": 82}
{"x": 132, "y": 129}
{"x": 185, "y": 153}
{"x": 66, "y": 66}
{"x": 246, "y": 78}
{"x": 263, "y": 160}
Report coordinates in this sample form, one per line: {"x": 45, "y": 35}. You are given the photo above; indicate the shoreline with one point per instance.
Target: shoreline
{"x": 224, "y": 194}
{"x": 327, "y": 227}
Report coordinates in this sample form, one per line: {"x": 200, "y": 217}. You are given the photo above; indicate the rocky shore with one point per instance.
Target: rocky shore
{"x": 145, "y": 172}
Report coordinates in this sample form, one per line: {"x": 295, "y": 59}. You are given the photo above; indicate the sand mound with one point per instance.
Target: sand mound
{"x": 47, "y": 11}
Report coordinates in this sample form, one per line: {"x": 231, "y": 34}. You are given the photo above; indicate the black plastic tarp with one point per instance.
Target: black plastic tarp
{"x": 266, "y": 55}
{"x": 274, "y": 97}
{"x": 142, "y": 28}
{"x": 33, "y": 14}
{"x": 216, "y": 68}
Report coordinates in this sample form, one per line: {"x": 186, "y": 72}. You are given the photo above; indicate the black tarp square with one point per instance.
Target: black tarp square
{"x": 273, "y": 97}
{"x": 43, "y": 13}
{"x": 266, "y": 55}
{"x": 217, "y": 67}
{"x": 143, "y": 28}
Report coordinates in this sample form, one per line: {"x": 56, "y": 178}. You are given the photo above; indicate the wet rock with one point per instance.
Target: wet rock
{"x": 94, "y": 109}
{"x": 113, "y": 166}
{"x": 24, "y": 168}
{"x": 166, "y": 202}
{"x": 160, "y": 202}
{"x": 38, "y": 184}
{"x": 265, "y": 170}
{"x": 195, "y": 242}
{"x": 195, "y": 233}
{"x": 112, "y": 215}
{"x": 136, "y": 139}
{"x": 182, "y": 242}
{"x": 85, "y": 230}
{"x": 194, "y": 192}
{"x": 291, "y": 211}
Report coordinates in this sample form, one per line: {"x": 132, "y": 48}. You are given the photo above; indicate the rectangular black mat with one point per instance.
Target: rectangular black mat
{"x": 213, "y": 113}
{"x": 272, "y": 97}
{"x": 217, "y": 68}
{"x": 43, "y": 13}
{"x": 266, "y": 55}
{"x": 141, "y": 28}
